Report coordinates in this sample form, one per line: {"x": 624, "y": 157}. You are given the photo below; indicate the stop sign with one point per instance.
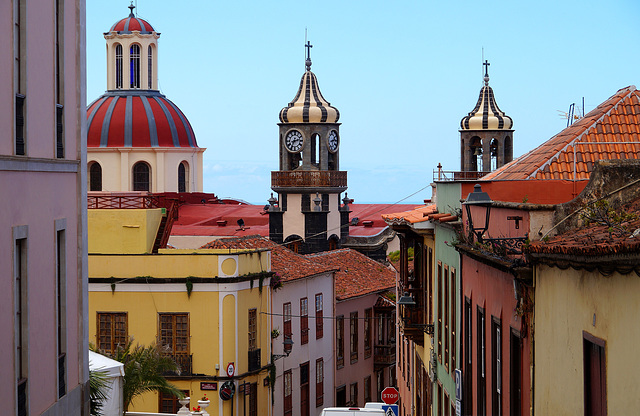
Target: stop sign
{"x": 389, "y": 395}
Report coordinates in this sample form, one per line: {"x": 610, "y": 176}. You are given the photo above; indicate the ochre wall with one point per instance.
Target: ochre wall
{"x": 123, "y": 230}
{"x": 566, "y": 302}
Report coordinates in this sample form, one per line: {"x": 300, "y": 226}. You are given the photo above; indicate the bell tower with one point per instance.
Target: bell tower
{"x": 308, "y": 214}
{"x": 486, "y": 134}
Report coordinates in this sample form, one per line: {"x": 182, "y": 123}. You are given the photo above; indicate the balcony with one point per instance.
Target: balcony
{"x": 450, "y": 175}
{"x": 384, "y": 355}
{"x": 184, "y": 362}
{"x": 254, "y": 360}
{"x": 300, "y": 179}
{"x": 413, "y": 320}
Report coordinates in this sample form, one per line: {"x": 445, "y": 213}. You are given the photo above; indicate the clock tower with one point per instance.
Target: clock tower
{"x": 307, "y": 213}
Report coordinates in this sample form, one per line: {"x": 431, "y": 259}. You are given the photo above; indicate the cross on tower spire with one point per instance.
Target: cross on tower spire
{"x": 308, "y": 61}
{"x": 131, "y": 7}
{"x": 486, "y": 71}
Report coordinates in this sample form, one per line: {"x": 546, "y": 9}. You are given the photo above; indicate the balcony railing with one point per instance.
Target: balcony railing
{"x": 450, "y": 175}
{"x": 128, "y": 201}
{"x": 254, "y": 359}
{"x": 184, "y": 363}
{"x": 309, "y": 178}
{"x": 384, "y": 355}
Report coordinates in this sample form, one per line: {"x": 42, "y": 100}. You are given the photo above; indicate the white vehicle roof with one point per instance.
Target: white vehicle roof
{"x": 350, "y": 411}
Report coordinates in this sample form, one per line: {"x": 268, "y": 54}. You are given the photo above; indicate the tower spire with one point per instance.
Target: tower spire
{"x": 131, "y": 7}
{"x": 308, "y": 45}
{"x": 486, "y": 72}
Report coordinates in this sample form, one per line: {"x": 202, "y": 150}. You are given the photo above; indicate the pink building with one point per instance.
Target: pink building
{"x": 43, "y": 351}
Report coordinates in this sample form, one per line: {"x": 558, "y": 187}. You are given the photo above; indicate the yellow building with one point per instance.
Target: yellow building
{"x": 207, "y": 308}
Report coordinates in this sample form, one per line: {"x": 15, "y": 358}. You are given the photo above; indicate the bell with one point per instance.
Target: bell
{"x": 477, "y": 152}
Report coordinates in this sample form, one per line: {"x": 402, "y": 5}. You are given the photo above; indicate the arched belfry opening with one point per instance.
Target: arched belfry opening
{"x": 485, "y": 134}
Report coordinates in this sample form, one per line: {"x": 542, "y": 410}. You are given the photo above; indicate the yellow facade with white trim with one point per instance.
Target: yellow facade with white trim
{"x": 226, "y": 284}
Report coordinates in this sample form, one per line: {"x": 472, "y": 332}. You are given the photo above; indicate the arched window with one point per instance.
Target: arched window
{"x": 183, "y": 177}
{"x": 494, "y": 154}
{"x": 95, "y": 177}
{"x": 150, "y": 64}
{"x": 315, "y": 149}
{"x": 134, "y": 66}
{"x": 334, "y": 242}
{"x": 118, "y": 66}
{"x": 294, "y": 243}
{"x": 141, "y": 177}
{"x": 476, "y": 154}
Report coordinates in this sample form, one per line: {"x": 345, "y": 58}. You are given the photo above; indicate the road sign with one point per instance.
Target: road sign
{"x": 458, "y": 377}
{"x": 391, "y": 410}
{"x": 231, "y": 368}
{"x": 389, "y": 395}
{"x": 227, "y": 390}
{"x": 458, "y": 408}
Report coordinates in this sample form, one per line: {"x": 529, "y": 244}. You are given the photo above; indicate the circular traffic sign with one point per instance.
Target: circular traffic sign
{"x": 389, "y": 395}
{"x": 231, "y": 369}
{"x": 227, "y": 390}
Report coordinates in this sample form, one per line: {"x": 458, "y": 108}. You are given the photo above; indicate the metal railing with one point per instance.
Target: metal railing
{"x": 451, "y": 175}
{"x": 309, "y": 178}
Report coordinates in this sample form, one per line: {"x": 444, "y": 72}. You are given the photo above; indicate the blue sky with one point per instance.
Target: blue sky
{"x": 401, "y": 73}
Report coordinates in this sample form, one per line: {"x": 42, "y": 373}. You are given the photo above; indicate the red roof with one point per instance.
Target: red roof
{"x": 286, "y": 263}
{"x": 596, "y": 239}
{"x": 131, "y": 23}
{"x": 134, "y": 118}
{"x": 374, "y": 213}
{"x": 358, "y": 275}
{"x": 418, "y": 214}
{"x": 610, "y": 127}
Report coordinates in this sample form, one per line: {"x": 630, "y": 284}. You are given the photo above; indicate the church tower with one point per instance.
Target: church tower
{"x": 486, "y": 134}
{"x": 137, "y": 139}
{"x": 307, "y": 213}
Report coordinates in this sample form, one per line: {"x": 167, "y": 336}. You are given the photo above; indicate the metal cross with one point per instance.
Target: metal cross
{"x": 308, "y": 46}
{"x": 486, "y": 68}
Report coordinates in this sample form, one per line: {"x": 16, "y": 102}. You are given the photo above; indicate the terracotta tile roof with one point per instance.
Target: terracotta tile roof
{"x": 418, "y": 214}
{"x": 386, "y": 300}
{"x": 286, "y": 263}
{"x": 358, "y": 275}
{"x": 612, "y": 125}
{"x": 373, "y": 213}
{"x": 595, "y": 240}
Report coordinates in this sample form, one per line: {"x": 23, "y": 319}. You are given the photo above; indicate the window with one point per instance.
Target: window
{"x": 467, "y": 384}
{"x": 430, "y": 286}
{"x": 95, "y": 176}
{"x": 304, "y": 321}
{"x": 288, "y": 404}
{"x": 286, "y": 316}
{"x": 252, "y": 329}
{"x": 481, "y": 382}
{"x": 353, "y": 399}
{"x": 353, "y": 323}
{"x": 174, "y": 338}
{"x": 367, "y": 389}
{"x": 253, "y": 399}
{"x": 168, "y": 403}
{"x": 380, "y": 383}
{"x": 112, "y": 331}
{"x": 368, "y": 317}
{"x": 59, "y": 131}
{"x": 119, "y": 66}
{"x": 446, "y": 316}
{"x": 496, "y": 366}
{"x": 304, "y": 389}
{"x": 61, "y": 293}
{"x": 141, "y": 177}
{"x": 150, "y": 67}
{"x": 515, "y": 373}
{"x": 254, "y": 352}
{"x": 595, "y": 376}
{"x": 454, "y": 317}
{"x": 21, "y": 317}
{"x": 380, "y": 328}
{"x": 182, "y": 177}
{"x": 319, "y": 382}
{"x": 341, "y": 396}
{"x": 19, "y": 70}
{"x": 134, "y": 66}
{"x": 340, "y": 341}
{"x": 319, "y": 319}
{"x": 439, "y": 332}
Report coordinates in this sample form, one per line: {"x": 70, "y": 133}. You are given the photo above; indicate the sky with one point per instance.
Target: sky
{"x": 402, "y": 74}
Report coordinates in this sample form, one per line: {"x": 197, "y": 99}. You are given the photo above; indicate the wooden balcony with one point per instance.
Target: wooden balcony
{"x": 413, "y": 318}
{"x": 308, "y": 179}
{"x": 384, "y": 355}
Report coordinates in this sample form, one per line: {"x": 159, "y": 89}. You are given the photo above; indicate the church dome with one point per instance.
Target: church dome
{"x": 132, "y": 23}
{"x": 486, "y": 115}
{"x": 138, "y": 119}
{"x": 309, "y": 106}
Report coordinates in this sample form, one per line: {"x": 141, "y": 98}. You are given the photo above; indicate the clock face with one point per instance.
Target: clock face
{"x": 333, "y": 141}
{"x": 294, "y": 141}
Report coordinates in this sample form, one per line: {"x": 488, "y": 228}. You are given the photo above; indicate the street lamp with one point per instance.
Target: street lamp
{"x": 478, "y": 198}
{"x": 288, "y": 346}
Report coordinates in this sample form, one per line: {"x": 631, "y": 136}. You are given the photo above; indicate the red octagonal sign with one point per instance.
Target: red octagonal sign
{"x": 389, "y": 395}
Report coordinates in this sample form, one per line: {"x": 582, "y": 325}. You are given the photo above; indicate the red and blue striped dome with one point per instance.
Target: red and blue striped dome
{"x": 138, "y": 119}
{"x": 131, "y": 23}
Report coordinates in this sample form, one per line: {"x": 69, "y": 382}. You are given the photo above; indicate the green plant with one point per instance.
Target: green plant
{"x": 525, "y": 199}
{"x": 144, "y": 367}
{"x": 189, "y": 285}
{"x": 275, "y": 333}
{"x": 602, "y": 213}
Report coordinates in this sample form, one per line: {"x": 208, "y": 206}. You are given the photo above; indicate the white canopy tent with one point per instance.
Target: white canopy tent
{"x": 114, "y": 371}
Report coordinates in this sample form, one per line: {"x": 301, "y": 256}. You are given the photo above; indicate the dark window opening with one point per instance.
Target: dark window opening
{"x": 595, "y": 376}
{"x": 150, "y": 65}
{"x": 119, "y": 68}
{"x": 134, "y": 66}
{"x": 95, "y": 177}
{"x": 141, "y": 177}
{"x": 182, "y": 177}
{"x": 20, "y": 121}
{"x": 59, "y": 131}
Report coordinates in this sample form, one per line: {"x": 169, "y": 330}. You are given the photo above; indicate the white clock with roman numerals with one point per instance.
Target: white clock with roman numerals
{"x": 333, "y": 141}
{"x": 294, "y": 141}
